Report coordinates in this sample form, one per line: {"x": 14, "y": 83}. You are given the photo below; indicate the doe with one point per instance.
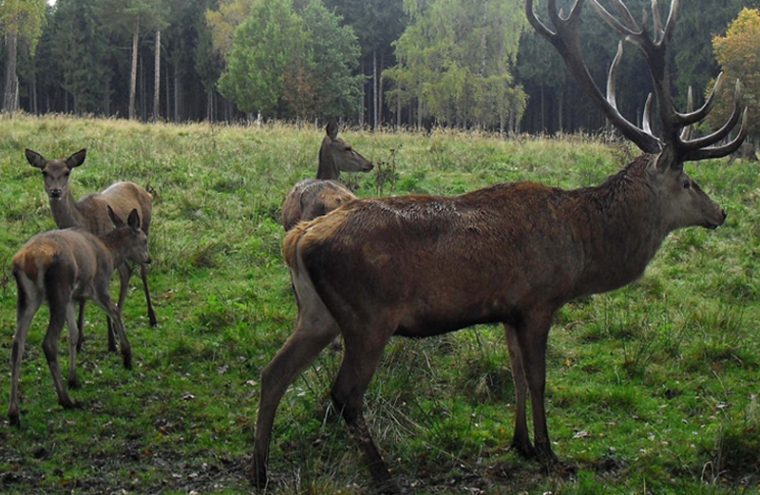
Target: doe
{"x": 63, "y": 267}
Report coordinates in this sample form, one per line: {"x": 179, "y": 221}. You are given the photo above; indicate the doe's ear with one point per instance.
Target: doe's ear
{"x": 117, "y": 222}
{"x": 76, "y": 159}
{"x": 332, "y": 129}
{"x": 35, "y": 159}
{"x": 134, "y": 220}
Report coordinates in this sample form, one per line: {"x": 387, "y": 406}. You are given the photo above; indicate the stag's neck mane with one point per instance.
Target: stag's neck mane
{"x": 623, "y": 227}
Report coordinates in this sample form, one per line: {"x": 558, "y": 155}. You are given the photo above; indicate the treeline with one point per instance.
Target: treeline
{"x": 417, "y": 63}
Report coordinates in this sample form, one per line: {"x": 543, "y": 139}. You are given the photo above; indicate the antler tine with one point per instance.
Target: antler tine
{"x": 670, "y": 24}
{"x": 692, "y": 117}
{"x": 722, "y": 133}
{"x": 721, "y": 151}
{"x": 686, "y": 131}
{"x": 621, "y": 7}
{"x": 539, "y": 26}
{"x": 646, "y": 118}
{"x": 566, "y": 40}
{"x": 612, "y": 75}
{"x": 618, "y": 26}
{"x": 659, "y": 30}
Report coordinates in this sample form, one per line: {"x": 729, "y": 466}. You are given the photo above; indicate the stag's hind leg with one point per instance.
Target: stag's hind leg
{"x": 361, "y": 357}
{"x": 315, "y": 328}
{"x": 521, "y": 441}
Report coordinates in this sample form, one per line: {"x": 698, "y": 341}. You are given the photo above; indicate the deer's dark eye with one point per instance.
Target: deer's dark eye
{"x": 686, "y": 184}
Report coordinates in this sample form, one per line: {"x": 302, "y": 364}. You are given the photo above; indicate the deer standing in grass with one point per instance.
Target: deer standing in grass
{"x": 419, "y": 266}
{"x": 90, "y": 214}
{"x": 311, "y": 198}
{"x": 63, "y": 267}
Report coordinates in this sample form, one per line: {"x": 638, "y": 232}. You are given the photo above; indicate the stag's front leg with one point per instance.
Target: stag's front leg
{"x": 521, "y": 441}
{"x": 532, "y": 336}
{"x": 315, "y": 328}
{"x": 360, "y": 360}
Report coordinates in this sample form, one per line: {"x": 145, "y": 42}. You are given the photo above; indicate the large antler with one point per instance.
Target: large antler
{"x": 672, "y": 144}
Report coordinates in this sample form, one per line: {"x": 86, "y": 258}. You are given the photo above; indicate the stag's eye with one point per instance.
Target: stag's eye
{"x": 686, "y": 184}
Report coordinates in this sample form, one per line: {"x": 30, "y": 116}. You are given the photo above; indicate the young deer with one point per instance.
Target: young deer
{"x": 90, "y": 214}
{"x": 515, "y": 253}
{"x": 63, "y": 267}
{"x": 311, "y": 198}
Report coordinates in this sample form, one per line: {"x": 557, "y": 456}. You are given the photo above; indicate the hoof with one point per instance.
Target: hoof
{"x": 153, "y": 320}
{"x": 14, "y": 420}
{"x": 524, "y": 448}
{"x": 258, "y": 480}
{"x": 127, "y": 360}
{"x": 73, "y": 384}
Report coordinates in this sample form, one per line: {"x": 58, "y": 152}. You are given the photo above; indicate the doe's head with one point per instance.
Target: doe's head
{"x": 55, "y": 172}
{"x": 337, "y": 155}
{"x": 133, "y": 241}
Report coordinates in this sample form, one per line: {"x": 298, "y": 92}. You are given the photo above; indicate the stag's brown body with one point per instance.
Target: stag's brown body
{"x": 537, "y": 246}
{"x": 418, "y": 266}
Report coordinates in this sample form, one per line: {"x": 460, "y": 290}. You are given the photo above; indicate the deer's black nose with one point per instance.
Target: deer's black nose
{"x": 55, "y": 193}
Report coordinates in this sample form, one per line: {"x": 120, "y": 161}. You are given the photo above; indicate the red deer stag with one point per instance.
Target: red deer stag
{"x": 515, "y": 253}
{"x": 63, "y": 267}
{"x": 90, "y": 214}
{"x": 311, "y": 198}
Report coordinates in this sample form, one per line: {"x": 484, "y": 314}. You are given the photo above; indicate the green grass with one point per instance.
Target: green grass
{"x": 651, "y": 389}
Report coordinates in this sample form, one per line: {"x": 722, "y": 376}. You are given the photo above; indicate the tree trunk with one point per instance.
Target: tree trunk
{"x": 133, "y": 74}
{"x": 168, "y": 95}
{"x": 157, "y": 79}
{"x": 10, "y": 101}
{"x": 177, "y": 94}
{"x": 33, "y": 96}
{"x": 398, "y": 108}
{"x": 374, "y": 89}
{"x": 142, "y": 74}
{"x": 364, "y": 97}
{"x": 107, "y": 97}
{"x": 380, "y": 92}
{"x": 560, "y": 109}
{"x": 543, "y": 111}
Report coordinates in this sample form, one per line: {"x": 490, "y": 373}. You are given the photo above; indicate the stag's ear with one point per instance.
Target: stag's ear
{"x": 76, "y": 159}
{"x": 35, "y": 159}
{"x": 134, "y": 220}
{"x": 117, "y": 222}
{"x": 332, "y": 129}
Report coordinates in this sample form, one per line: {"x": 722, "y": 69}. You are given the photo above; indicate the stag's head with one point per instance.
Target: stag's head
{"x": 131, "y": 239}
{"x": 665, "y": 133}
{"x": 56, "y": 172}
{"x": 336, "y": 155}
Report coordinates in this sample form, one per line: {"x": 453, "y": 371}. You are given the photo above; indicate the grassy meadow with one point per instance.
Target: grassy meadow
{"x": 650, "y": 389}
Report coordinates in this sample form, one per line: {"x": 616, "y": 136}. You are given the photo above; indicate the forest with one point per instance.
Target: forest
{"x": 371, "y": 63}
